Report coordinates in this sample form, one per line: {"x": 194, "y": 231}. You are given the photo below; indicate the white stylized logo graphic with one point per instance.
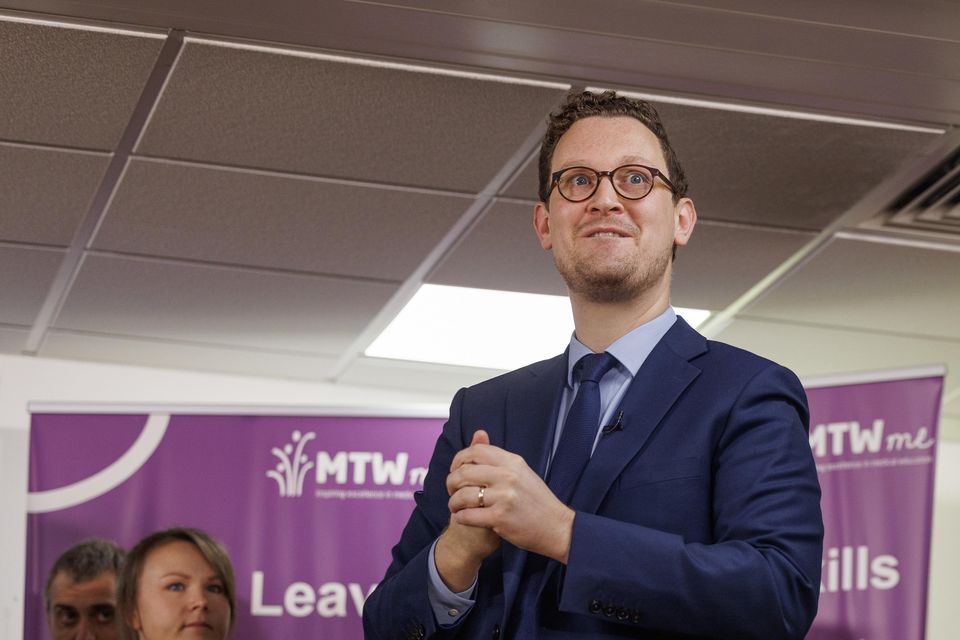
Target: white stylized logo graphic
{"x": 848, "y": 445}
{"x": 342, "y": 474}
{"x": 839, "y": 438}
{"x": 293, "y": 466}
{"x": 108, "y": 478}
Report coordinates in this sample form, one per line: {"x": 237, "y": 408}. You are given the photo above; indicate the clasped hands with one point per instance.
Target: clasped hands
{"x": 515, "y": 505}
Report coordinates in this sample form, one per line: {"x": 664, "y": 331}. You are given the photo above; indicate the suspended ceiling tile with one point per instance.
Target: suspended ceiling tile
{"x": 187, "y": 356}
{"x": 525, "y": 184}
{"x": 871, "y": 286}
{"x": 70, "y": 87}
{"x": 722, "y": 262}
{"x": 44, "y": 193}
{"x": 768, "y": 170}
{"x": 307, "y": 315}
{"x": 501, "y": 252}
{"x": 164, "y": 209}
{"x": 892, "y": 20}
{"x": 12, "y": 339}
{"x": 814, "y": 352}
{"x": 294, "y": 113}
{"x": 833, "y": 58}
{"x": 26, "y": 274}
{"x": 846, "y": 35}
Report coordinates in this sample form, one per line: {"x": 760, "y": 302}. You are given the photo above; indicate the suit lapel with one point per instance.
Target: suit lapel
{"x": 531, "y": 412}
{"x": 531, "y": 415}
{"x": 661, "y": 380}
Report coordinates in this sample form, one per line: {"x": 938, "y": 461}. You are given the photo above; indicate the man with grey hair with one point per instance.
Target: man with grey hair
{"x": 80, "y": 595}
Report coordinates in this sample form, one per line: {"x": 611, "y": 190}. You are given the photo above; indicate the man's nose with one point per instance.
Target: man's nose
{"x": 85, "y": 631}
{"x": 605, "y": 198}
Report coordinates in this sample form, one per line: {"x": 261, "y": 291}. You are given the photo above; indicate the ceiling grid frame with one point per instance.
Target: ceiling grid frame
{"x": 476, "y": 53}
{"x": 73, "y": 260}
{"x": 484, "y": 200}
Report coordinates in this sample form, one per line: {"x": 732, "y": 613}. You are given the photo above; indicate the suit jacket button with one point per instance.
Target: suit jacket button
{"x": 622, "y": 614}
{"x": 595, "y": 606}
{"x": 496, "y": 632}
{"x": 421, "y": 632}
{"x": 609, "y": 610}
{"x": 635, "y": 617}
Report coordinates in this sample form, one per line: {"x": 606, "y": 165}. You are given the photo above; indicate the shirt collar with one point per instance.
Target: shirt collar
{"x": 631, "y": 349}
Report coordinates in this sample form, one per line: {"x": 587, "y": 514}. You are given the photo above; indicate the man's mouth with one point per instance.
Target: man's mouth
{"x": 606, "y": 234}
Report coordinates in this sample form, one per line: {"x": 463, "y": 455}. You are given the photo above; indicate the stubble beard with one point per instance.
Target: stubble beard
{"x": 608, "y": 284}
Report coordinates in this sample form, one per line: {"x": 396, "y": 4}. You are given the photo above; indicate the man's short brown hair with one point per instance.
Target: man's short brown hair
{"x": 607, "y": 104}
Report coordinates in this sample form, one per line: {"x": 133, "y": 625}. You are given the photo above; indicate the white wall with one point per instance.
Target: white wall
{"x": 24, "y": 380}
{"x": 943, "y": 618}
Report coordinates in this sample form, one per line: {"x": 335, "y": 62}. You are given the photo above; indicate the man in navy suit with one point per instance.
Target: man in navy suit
{"x": 690, "y": 507}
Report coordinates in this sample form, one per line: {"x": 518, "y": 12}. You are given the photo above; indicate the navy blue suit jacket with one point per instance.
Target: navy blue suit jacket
{"x": 699, "y": 519}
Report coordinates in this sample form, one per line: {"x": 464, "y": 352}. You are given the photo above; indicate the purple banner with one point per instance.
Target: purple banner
{"x": 308, "y": 507}
{"x": 875, "y": 447}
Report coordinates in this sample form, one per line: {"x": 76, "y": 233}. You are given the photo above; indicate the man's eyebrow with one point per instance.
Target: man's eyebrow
{"x": 102, "y": 606}
{"x": 636, "y": 159}
{"x": 631, "y": 159}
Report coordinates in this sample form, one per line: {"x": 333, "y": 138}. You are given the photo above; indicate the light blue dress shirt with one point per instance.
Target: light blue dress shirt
{"x": 631, "y": 351}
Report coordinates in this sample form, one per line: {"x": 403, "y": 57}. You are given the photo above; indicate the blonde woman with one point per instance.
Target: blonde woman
{"x": 176, "y": 583}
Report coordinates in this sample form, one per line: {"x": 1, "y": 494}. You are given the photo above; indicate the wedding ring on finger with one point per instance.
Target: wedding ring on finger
{"x": 480, "y": 496}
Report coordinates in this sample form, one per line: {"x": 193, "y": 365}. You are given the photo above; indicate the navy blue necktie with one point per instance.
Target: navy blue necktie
{"x": 569, "y": 460}
{"x": 580, "y": 427}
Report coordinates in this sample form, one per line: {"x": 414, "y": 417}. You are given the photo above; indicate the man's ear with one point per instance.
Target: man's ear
{"x": 135, "y": 620}
{"x": 541, "y": 223}
{"x": 685, "y": 218}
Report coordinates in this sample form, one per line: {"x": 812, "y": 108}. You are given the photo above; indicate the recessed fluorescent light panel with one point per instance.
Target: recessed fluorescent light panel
{"x": 482, "y": 327}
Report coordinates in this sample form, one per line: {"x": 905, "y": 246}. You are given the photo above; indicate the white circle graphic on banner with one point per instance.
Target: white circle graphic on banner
{"x": 105, "y": 479}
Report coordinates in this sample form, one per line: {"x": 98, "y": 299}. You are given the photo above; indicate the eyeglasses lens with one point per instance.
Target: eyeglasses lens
{"x": 630, "y": 181}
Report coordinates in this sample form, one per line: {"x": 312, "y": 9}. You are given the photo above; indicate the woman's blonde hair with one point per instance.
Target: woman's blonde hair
{"x": 129, "y": 579}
